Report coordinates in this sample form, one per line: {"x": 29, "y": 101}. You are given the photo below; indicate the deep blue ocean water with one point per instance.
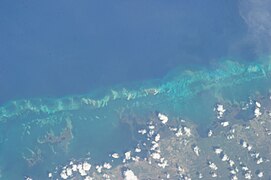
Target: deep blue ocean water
{"x": 60, "y": 49}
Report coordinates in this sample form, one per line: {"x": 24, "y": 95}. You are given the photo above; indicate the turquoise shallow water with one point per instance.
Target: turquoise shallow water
{"x": 47, "y": 132}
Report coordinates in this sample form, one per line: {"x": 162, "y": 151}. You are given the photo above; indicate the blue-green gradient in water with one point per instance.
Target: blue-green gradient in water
{"x": 91, "y": 122}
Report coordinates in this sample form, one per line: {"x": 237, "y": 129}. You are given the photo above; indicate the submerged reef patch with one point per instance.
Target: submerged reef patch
{"x": 141, "y": 125}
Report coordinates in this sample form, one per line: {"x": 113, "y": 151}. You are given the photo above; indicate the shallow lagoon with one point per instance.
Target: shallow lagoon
{"x": 38, "y": 135}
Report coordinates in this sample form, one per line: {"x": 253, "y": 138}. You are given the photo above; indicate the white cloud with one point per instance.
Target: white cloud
{"x": 257, "y": 14}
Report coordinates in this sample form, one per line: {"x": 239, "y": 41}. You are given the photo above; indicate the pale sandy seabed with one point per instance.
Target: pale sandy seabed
{"x": 161, "y": 131}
